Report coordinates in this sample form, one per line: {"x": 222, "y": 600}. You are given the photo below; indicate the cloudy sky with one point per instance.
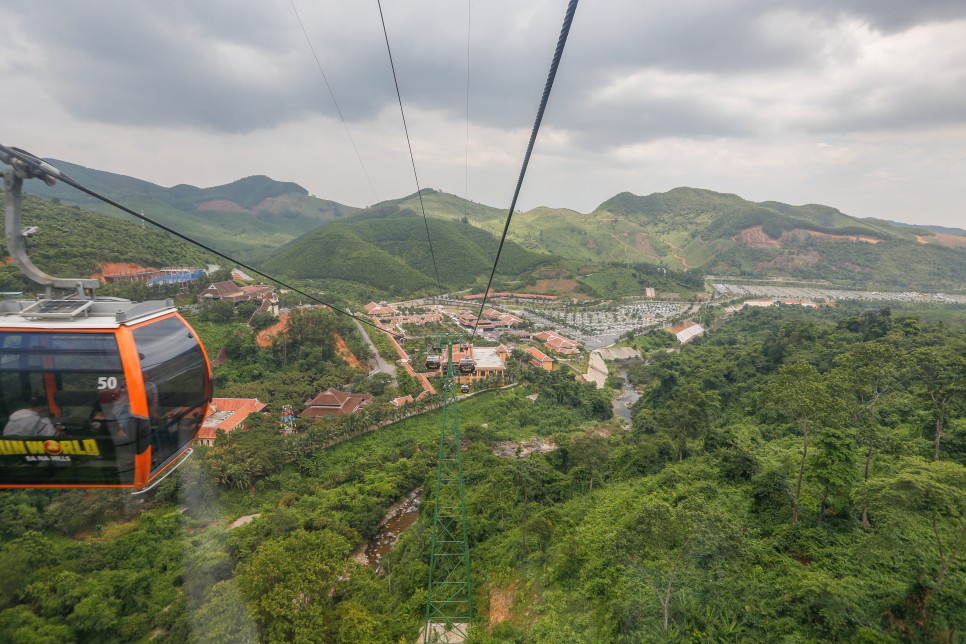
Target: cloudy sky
{"x": 859, "y": 105}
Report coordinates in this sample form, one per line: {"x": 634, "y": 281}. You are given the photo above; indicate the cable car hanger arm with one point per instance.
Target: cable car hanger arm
{"x": 16, "y": 236}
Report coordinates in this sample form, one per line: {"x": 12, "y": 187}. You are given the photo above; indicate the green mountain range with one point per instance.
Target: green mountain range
{"x": 723, "y": 234}
{"x": 251, "y": 216}
{"x": 683, "y": 229}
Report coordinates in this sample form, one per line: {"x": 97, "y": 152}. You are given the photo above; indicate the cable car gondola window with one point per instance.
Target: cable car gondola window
{"x": 176, "y": 384}
{"x": 68, "y": 377}
{"x": 59, "y": 352}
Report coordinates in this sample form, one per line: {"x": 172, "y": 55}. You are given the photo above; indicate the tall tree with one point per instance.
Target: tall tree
{"x": 800, "y": 395}
{"x": 291, "y": 583}
{"x": 941, "y": 372}
{"x": 687, "y": 415}
{"x": 658, "y": 541}
{"x": 935, "y": 492}
{"x": 591, "y": 452}
{"x": 834, "y": 465}
{"x": 868, "y": 376}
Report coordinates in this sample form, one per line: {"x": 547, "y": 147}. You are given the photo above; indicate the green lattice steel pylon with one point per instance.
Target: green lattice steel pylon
{"x": 449, "y": 598}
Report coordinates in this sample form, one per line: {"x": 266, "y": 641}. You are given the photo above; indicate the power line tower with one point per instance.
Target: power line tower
{"x": 449, "y": 599}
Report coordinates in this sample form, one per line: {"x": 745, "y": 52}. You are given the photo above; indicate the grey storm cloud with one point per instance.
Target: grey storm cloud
{"x": 237, "y": 67}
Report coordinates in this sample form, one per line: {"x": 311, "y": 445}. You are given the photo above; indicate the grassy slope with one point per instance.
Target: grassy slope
{"x": 392, "y": 253}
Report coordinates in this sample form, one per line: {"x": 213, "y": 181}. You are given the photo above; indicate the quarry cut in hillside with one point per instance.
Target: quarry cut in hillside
{"x": 220, "y": 205}
{"x": 756, "y": 237}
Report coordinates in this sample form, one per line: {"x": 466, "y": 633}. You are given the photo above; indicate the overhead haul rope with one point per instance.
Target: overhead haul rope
{"x": 42, "y": 168}
{"x": 332, "y": 94}
{"x": 419, "y": 191}
{"x": 561, "y": 42}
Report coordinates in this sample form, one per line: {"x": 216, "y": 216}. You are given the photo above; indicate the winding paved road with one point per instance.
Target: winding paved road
{"x": 381, "y": 365}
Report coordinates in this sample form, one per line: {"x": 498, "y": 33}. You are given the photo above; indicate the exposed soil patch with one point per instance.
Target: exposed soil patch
{"x": 501, "y": 599}
{"x": 118, "y": 268}
{"x": 220, "y": 205}
{"x": 756, "y": 237}
{"x": 643, "y": 244}
{"x": 240, "y": 521}
{"x": 559, "y": 286}
{"x": 343, "y": 350}
{"x": 269, "y": 202}
{"x": 603, "y": 431}
{"x": 264, "y": 337}
{"x": 944, "y": 239}
{"x": 832, "y": 238}
{"x": 523, "y": 449}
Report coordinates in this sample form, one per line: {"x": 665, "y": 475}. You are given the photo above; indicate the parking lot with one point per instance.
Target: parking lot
{"x": 827, "y": 294}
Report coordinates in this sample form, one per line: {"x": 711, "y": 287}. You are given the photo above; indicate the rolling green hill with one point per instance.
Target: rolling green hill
{"x": 689, "y": 228}
{"x": 682, "y": 229}
{"x": 446, "y": 206}
{"x": 725, "y": 234}
{"x": 72, "y": 242}
{"x": 386, "y": 248}
{"x": 251, "y": 216}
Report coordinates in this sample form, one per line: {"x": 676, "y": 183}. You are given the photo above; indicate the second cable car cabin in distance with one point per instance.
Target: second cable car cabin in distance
{"x": 125, "y": 387}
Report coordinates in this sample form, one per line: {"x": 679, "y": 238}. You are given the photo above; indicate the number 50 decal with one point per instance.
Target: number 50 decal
{"x": 107, "y": 382}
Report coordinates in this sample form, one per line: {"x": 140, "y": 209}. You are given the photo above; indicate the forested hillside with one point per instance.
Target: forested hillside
{"x": 72, "y": 242}
{"x": 727, "y": 235}
{"x": 795, "y": 474}
{"x": 387, "y": 248}
{"x": 252, "y": 215}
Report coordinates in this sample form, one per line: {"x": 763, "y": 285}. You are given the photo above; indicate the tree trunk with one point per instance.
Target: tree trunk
{"x": 667, "y": 601}
{"x": 939, "y": 432}
{"x": 868, "y": 470}
{"x": 822, "y": 505}
{"x": 945, "y": 564}
{"x": 801, "y": 475}
{"x": 523, "y": 528}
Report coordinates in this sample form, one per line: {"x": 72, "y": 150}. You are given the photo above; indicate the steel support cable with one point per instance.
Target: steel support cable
{"x": 43, "y": 169}
{"x": 335, "y": 102}
{"x": 466, "y": 156}
{"x": 561, "y": 42}
{"x": 412, "y": 159}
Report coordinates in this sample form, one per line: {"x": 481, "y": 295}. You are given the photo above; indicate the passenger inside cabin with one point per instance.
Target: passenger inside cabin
{"x": 31, "y": 420}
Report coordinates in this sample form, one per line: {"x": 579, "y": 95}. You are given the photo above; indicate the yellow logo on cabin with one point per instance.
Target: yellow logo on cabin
{"x": 85, "y": 447}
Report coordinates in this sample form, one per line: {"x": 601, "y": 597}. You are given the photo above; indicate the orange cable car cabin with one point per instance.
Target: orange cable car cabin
{"x": 97, "y": 393}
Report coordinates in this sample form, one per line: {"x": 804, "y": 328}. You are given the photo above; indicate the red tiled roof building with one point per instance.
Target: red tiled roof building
{"x": 333, "y": 402}
{"x": 226, "y": 414}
